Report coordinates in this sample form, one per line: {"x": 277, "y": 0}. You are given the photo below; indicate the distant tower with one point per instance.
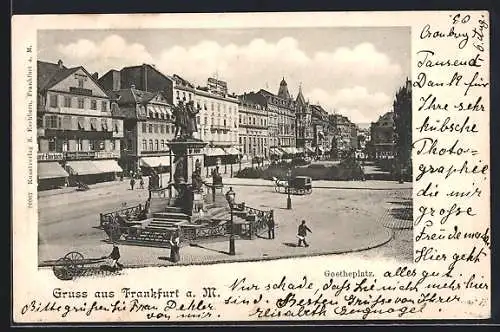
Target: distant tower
{"x": 301, "y": 101}
{"x": 283, "y": 90}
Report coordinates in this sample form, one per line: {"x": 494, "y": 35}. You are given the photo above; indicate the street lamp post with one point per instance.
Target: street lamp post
{"x": 230, "y": 197}
{"x": 289, "y": 199}
{"x": 161, "y": 177}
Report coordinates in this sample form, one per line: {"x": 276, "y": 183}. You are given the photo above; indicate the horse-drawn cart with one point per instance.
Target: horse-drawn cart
{"x": 73, "y": 264}
{"x": 298, "y": 185}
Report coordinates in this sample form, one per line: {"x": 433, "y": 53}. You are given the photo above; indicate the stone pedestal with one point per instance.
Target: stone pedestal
{"x": 187, "y": 154}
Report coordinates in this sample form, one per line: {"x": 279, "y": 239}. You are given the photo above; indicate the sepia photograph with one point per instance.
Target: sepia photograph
{"x": 251, "y": 167}
{"x": 199, "y": 146}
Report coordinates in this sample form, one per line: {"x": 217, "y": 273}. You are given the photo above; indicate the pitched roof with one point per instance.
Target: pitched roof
{"x": 300, "y": 97}
{"x": 49, "y": 74}
{"x": 131, "y": 95}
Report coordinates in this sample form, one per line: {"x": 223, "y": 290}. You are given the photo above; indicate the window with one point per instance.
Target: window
{"x": 240, "y": 118}
{"x": 116, "y": 125}
{"x": 144, "y": 145}
{"x": 104, "y": 106}
{"x": 151, "y": 144}
{"x": 52, "y": 144}
{"x": 93, "y": 104}
{"x": 157, "y": 147}
{"x": 144, "y": 127}
{"x": 224, "y": 122}
{"x": 150, "y": 114}
{"x": 184, "y": 95}
{"x": 212, "y": 106}
{"x": 67, "y": 122}
{"x": 81, "y": 103}
{"x": 80, "y": 82}
{"x": 112, "y": 145}
{"x": 93, "y": 124}
{"x": 150, "y": 128}
{"x": 162, "y": 128}
{"x": 205, "y": 121}
{"x": 91, "y": 145}
{"x": 205, "y": 106}
{"x": 156, "y": 128}
{"x": 240, "y": 140}
{"x": 79, "y": 145}
{"x": 100, "y": 145}
{"x": 167, "y": 129}
{"x": 67, "y": 101}
{"x": 104, "y": 123}
{"x": 244, "y": 145}
{"x": 177, "y": 94}
{"x": 51, "y": 121}
{"x": 198, "y": 120}
{"x": 53, "y": 100}
{"x": 162, "y": 145}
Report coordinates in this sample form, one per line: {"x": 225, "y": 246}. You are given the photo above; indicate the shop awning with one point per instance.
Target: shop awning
{"x": 155, "y": 161}
{"x": 107, "y": 166}
{"x": 212, "y": 152}
{"x": 287, "y": 150}
{"x": 51, "y": 170}
{"x": 82, "y": 167}
{"x": 275, "y": 151}
{"x": 232, "y": 151}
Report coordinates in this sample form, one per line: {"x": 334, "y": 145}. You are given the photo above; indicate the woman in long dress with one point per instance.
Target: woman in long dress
{"x": 175, "y": 247}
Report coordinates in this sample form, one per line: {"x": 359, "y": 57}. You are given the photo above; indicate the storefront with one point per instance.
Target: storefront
{"x": 155, "y": 165}
{"x": 92, "y": 171}
{"x": 51, "y": 175}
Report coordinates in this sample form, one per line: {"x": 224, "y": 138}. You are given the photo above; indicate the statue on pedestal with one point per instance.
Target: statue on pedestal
{"x": 185, "y": 119}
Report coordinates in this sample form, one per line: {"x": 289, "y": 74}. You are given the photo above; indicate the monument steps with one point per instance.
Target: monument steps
{"x": 171, "y": 216}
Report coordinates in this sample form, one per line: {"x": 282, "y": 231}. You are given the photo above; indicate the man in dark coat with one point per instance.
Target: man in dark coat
{"x": 270, "y": 225}
{"x": 302, "y": 232}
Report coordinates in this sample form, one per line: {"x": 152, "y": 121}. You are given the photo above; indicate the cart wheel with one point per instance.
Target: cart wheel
{"x": 114, "y": 232}
{"x": 277, "y": 189}
{"x": 62, "y": 269}
{"x": 309, "y": 190}
{"x": 76, "y": 260}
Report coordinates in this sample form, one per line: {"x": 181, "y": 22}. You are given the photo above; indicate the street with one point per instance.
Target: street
{"x": 343, "y": 221}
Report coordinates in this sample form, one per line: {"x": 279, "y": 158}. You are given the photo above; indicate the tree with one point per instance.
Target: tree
{"x": 402, "y": 126}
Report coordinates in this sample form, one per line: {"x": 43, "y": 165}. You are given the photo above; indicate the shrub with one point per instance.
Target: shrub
{"x": 250, "y": 173}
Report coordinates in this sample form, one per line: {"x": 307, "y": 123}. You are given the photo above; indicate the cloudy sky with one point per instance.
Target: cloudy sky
{"x": 353, "y": 71}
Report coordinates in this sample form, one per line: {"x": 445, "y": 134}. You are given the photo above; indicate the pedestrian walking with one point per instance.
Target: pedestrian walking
{"x": 115, "y": 256}
{"x": 270, "y": 225}
{"x": 141, "y": 183}
{"x": 302, "y": 232}
{"x": 132, "y": 183}
{"x": 175, "y": 247}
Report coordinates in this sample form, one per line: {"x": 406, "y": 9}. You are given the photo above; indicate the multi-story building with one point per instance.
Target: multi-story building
{"x": 342, "y": 142}
{"x": 281, "y": 119}
{"x": 382, "y": 137}
{"x": 148, "y": 127}
{"x": 253, "y": 129}
{"x": 304, "y": 129}
{"x": 76, "y": 129}
{"x": 321, "y": 127}
{"x": 144, "y": 77}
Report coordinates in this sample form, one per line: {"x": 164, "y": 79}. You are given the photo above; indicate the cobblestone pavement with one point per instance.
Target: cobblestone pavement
{"x": 343, "y": 221}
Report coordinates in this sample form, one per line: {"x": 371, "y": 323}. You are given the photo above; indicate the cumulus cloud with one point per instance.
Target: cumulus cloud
{"x": 109, "y": 52}
{"x": 360, "y": 105}
{"x": 359, "y": 81}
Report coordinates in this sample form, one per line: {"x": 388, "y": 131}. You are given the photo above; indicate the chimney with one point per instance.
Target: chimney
{"x": 95, "y": 76}
{"x": 116, "y": 78}
{"x": 145, "y": 76}
{"x": 60, "y": 64}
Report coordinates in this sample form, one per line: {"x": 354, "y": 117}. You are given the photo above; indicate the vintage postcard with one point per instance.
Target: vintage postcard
{"x": 251, "y": 167}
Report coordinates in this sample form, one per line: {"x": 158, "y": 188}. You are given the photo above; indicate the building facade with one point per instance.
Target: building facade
{"x": 321, "y": 128}
{"x": 342, "y": 142}
{"x": 253, "y": 129}
{"x": 382, "y": 137}
{"x": 76, "y": 128}
{"x": 148, "y": 127}
{"x": 304, "y": 128}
